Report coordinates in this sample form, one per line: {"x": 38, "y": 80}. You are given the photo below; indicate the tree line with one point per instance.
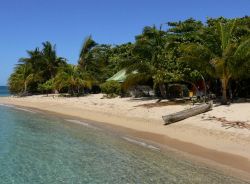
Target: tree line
{"x": 216, "y": 52}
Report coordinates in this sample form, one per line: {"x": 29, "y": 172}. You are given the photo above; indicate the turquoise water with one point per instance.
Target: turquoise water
{"x": 38, "y": 149}
{"x": 4, "y": 91}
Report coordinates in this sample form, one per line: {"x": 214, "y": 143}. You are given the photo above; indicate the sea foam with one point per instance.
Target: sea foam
{"x": 82, "y": 123}
{"x": 141, "y": 143}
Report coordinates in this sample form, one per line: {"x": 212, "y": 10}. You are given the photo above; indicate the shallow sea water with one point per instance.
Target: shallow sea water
{"x": 38, "y": 149}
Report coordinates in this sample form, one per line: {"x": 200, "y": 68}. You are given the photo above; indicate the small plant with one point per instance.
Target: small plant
{"x": 111, "y": 88}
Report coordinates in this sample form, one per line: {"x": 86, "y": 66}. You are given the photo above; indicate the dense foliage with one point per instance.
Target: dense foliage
{"x": 216, "y": 52}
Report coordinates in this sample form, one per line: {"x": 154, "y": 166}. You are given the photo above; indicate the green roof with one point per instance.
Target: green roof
{"x": 120, "y": 76}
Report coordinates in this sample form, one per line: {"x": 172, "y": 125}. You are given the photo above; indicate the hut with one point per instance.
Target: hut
{"x": 135, "y": 91}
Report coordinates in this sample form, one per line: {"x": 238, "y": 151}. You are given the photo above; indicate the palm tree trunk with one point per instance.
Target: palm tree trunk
{"x": 224, "y": 83}
{"x": 205, "y": 87}
{"x": 162, "y": 88}
{"x": 25, "y": 87}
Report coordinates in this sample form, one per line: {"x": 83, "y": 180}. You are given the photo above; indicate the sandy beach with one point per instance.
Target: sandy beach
{"x": 209, "y": 135}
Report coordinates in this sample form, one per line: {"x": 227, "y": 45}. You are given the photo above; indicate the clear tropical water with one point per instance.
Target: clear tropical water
{"x": 38, "y": 149}
{"x": 4, "y": 91}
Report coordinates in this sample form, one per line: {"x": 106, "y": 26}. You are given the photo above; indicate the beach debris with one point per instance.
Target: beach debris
{"x": 231, "y": 124}
{"x": 178, "y": 116}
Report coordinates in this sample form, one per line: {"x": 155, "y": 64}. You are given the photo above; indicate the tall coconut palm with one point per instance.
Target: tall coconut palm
{"x": 50, "y": 59}
{"x": 220, "y": 53}
{"x": 45, "y": 62}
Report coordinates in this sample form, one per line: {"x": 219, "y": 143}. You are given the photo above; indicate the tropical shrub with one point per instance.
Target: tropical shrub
{"x": 46, "y": 87}
{"x": 73, "y": 79}
{"x": 111, "y": 88}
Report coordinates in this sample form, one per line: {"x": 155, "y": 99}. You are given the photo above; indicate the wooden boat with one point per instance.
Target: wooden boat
{"x": 178, "y": 116}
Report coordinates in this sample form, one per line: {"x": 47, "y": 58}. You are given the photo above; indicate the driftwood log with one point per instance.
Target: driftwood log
{"x": 178, "y": 116}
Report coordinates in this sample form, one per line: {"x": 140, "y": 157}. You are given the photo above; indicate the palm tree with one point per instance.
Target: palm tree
{"x": 20, "y": 79}
{"x": 34, "y": 56}
{"x": 45, "y": 62}
{"x": 84, "y": 56}
{"x": 50, "y": 59}
{"x": 220, "y": 53}
{"x": 72, "y": 78}
{"x": 33, "y": 61}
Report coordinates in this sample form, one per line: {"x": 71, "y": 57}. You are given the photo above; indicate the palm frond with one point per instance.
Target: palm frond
{"x": 243, "y": 50}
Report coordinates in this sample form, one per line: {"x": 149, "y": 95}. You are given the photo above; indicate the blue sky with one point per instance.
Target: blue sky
{"x": 25, "y": 24}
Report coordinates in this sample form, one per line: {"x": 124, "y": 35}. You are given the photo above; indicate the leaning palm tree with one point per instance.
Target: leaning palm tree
{"x": 221, "y": 54}
{"x": 84, "y": 56}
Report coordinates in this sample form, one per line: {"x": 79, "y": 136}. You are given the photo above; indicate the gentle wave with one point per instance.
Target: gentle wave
{"x": 18, "y": 108}
{"x": 6, "y": 105}
{"x": 141, "y": 143}
{"x": 82, "y": 123}
{"x": 26, "y": 110}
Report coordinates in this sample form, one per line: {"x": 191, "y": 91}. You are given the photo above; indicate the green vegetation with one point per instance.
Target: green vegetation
{"x": 220, "y": 52}
{"x": 111, "y": 88}
{"x": 47, "y": 87}
{"x": 216, "y": 52}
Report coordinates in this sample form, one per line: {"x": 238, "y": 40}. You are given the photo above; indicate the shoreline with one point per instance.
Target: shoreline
{"x": 151, "y": 131}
